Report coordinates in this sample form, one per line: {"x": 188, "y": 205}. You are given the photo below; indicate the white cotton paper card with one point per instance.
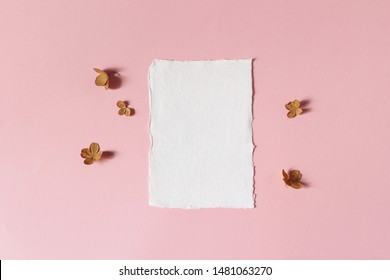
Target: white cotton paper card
{"x": 201, "y": 133}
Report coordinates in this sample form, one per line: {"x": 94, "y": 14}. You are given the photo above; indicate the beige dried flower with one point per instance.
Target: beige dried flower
{"x": 294, "y": 108}
{"x": 123, "y": 109}
{"x": 292, "y": 179}
{"x": 91, "y": 154}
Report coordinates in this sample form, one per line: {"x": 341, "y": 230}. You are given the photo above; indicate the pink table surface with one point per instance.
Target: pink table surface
{"x": 334, "y": 54}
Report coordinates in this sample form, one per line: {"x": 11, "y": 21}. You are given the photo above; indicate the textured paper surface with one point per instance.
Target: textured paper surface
{"x": 201, "y": 132}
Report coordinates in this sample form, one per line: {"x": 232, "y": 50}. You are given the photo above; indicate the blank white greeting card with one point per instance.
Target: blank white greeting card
{"x": 201, "y": 133}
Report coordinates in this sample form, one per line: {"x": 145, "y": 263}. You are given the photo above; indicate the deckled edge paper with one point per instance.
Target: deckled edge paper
{"x": 176, "y": 195}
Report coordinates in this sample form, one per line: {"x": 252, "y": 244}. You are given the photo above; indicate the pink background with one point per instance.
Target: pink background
{"x": 335, "y": 54}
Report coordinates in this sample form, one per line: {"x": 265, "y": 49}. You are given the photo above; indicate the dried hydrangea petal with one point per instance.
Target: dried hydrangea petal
{"x": 97, "y": 156}
{"x": 298, "y": 111}
{"x": 285, "y": 175}
{"x": 296, "y": 185}
{"x": 121, "y": 104}
{"x": 98, "y": 70}
{"x": 295, "y": 176}
{"x": 85, "y": 153}
{"x": 289, "y": 106}
{"x": 296, "y": 103}
{"x": 94, "y": 148}
{"x": 291, "y": 114}
{"x": 122, "y": 111}
{"x": 88, "y": 161}
{"x": 101, "y": 79}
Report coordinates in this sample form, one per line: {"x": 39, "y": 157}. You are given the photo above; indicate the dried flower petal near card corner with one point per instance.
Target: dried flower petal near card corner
{"x": 294, "y": 108}
{"x": 91, "y": 154}
{"x": 103, "y": 79}
{"x": 292, "y": 179}
{"x": 123, "y": 109}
